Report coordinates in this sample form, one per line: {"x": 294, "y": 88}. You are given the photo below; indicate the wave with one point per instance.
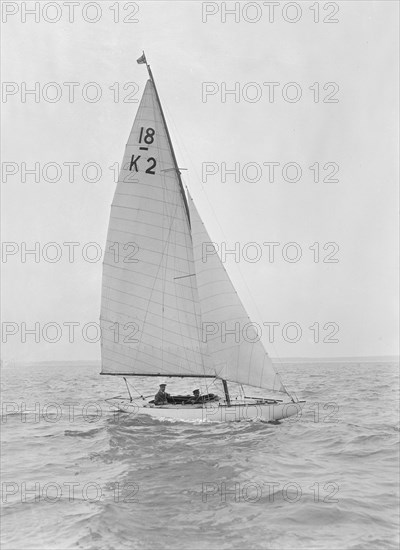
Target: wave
{"x": 85, "y": 434}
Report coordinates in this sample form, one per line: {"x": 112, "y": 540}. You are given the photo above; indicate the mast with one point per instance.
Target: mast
{"x": 228, "y": 399}
{"x": 169, "y": 141}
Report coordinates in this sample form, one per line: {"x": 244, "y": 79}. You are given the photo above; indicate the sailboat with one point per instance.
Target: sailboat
{"x": 158, "y": 294}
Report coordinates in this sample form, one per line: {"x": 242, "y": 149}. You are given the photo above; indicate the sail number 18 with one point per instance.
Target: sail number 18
{"x": 148, "y": 137}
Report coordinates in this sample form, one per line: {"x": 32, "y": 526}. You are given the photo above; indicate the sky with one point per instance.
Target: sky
{"x": 309, "y": 88}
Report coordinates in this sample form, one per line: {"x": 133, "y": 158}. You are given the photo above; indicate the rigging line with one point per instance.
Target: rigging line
{"x": 170, "y": 144}
{"x": 184, "y": 276}
{"x": 158, "y": 122}
{"x": 177, "y": 171}
{"x": 133, "y": 387}
{"x": 196, "y": 302}
{"x": 163, "y": 259}
{"x": 187, "y": 299}
{"x": 171, "y": 241}
{"x": 205, "y": 355}
{"x": 129, "y": 317}
{"x": 181, "y": 323}
{"x": 129, "y": 391}
{"x": 135, "y": 307}
{"x": 112, "y": 217}
{"x": 144, "y": 236}
{"x": 191, "y": 288}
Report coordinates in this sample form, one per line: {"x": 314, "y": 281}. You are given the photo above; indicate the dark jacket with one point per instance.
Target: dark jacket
{"x": 161, "y": 398}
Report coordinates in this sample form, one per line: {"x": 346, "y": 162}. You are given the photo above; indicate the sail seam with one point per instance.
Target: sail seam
{"x": 145, "y": 185}
{"x": 144, "y": 322}
{"x": 124, "y": 268}
{"x": 141, "y": 210}
{"x": 128, "y": 356}
{"x": 143, "y": 286}
{"x": 141, "y": 361}
{"x": 196, "y": 353}
{"x": 158, "y": 314}
{"x": 187, "y": 312}
{"x": 143, "y": 249}
{"x": 144, "y": 223}
{"x": 145, "y": 198}
{"x": 144, "y": 236}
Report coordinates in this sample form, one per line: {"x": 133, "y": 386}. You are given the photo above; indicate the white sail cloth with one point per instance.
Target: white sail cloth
{"x": 158, "y": 315}
{"x": 231, "y": 338}
{"x": 157, "y": 293}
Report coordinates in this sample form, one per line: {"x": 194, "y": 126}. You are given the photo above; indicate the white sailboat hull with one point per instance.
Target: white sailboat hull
{"x": 210, "y": 412}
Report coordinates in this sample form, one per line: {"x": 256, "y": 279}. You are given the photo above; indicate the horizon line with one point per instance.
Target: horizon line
{"x": 358, "y": 358}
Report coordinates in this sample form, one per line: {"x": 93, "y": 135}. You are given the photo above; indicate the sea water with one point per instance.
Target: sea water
{"x": 78, "y": 475}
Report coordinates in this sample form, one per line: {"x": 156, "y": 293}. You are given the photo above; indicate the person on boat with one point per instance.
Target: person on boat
{"x": 196, "y": 397}
{"x": 162, "y": 397}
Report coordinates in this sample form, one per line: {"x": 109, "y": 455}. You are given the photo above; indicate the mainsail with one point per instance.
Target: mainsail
{"x": 150, "y": 314}
{"x": 158, "y": 294}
